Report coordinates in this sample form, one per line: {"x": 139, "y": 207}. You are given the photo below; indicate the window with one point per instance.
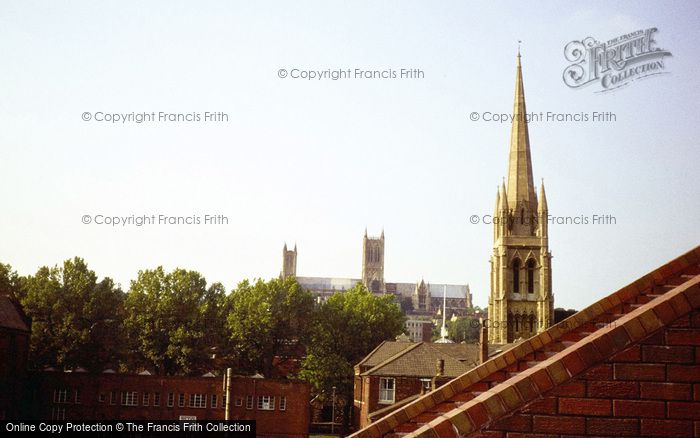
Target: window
{"x": 531, "y": 276}
{"x": 239, "y": 401}
{"x": 78, "y": 397}
{"x": 113, "y": 398}
{"x": 156, "y": 399}
{"x": 181, "y": 400}
{"x": 60, "y": 396}
{"x": 386, "y": 390}
{"x": 426, "y": 384}
{"x": 146, "y": 398}
{"x": 213, "y": 400}
{"x": 130, "y": 398}
{"x": 171, "y": 399}
{"x": 198, "y": 401}
{"x": 58, "y": 414}
{"x": 223, "y": 401}
{"x": 516, "y": 276}
{"x": 249, "y": 402}
{"x": 101, "y": 398}
{"x": 283, "y": 403}
{"x": 266, "y": 403}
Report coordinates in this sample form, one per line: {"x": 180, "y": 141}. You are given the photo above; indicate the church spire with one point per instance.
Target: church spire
{"x": 520, "y": 184}
{"x": 543, "y": 198}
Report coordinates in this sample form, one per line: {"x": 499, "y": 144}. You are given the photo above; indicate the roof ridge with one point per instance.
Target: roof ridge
{"x": 572, "y": 361}
{"x": 366, "y": 358}
{"x": 391, "y": 359}
{"x": 537, "y": 342}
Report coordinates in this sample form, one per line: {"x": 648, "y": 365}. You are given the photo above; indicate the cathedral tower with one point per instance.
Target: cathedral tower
{"x": 521, "y": 300}
{"x": 373, "y": 263}
{"x": 289, "y": 262}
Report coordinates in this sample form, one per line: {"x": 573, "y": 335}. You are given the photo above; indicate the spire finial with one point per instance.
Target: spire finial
{"x": 519, "y": 41}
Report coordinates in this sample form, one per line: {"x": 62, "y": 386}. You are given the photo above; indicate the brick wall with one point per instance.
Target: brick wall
{"x": 100, "y": 398}
{"x": 649, "y": 389}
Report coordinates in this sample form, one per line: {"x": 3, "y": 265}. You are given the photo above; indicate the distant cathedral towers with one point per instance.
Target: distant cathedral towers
{"x": 521, "y": 300}
{"x": 289, "y": 262}
{"x": 421, "y": 297}
{"x": 373, "y": 263}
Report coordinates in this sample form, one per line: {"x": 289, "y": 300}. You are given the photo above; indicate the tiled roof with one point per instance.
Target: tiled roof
{"x": 525, "y": 372}
{"x": 11, "y": 316}
{"x": 420, "y": 361}
{"x": 384, "y": 351}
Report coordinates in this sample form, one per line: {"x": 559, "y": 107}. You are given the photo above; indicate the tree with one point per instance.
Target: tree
{"x": 173, "y": 322}
{"x": 10, "y": 282}
{"x": 268, "y": 321}
{"x": 76, "y": 320}
{"x": 464, "y": 329}
{"x": 346, "y": 328}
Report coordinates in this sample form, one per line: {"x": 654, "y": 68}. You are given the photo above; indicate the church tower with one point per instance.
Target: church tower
{"x": 521, "y": 300}
{"x": 421, "y": 297}
{"x": 373, "y": 263}
{"x": 289, "y": 262}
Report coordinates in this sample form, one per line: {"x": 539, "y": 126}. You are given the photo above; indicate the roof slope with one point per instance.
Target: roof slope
{"x": 522, "y": 373}
{"x": 11, "y": 315}
{"x": 420, "y": 361}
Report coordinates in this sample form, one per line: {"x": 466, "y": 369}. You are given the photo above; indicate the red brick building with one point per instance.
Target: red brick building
{"x": 280, "y": 407}
{"x": 627, "y": 365}
{"x": 397, "y": 372}
{"x": 14, "y": 351}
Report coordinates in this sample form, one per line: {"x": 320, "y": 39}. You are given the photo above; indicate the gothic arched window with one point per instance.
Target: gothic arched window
{"x": 531, "y": 276}
{"x": 516, "y": 276}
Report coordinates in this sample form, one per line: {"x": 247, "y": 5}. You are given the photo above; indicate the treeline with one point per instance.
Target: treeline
{"x": 175, "y": 323}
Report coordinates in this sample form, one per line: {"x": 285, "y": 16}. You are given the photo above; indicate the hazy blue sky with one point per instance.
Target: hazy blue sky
{"x": 314, "y": 162}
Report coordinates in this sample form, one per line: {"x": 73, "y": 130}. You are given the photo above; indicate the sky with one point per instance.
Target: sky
{"x": 314, "y": 162}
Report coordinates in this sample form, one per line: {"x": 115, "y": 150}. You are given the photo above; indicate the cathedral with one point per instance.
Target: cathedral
{"x": 521, "y": 300}
{"x": 417, "y": 299}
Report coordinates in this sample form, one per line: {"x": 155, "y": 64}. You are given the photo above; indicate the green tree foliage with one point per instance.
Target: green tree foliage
{"x": 268, "y": 321}
{"x": 464, "y": 329}
{"x": 173, "y": 321}
{"x": 10, "y": 282}
{"x": 76, "y": 320}
{"x": 346, "y": 328}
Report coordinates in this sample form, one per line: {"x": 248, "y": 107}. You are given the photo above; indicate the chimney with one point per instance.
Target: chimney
{"x": 484, "y": 342}
{"x": 439, "y": 371}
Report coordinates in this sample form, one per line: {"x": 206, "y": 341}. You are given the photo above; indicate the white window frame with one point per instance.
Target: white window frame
{"x": 146, "y": 399}
{"x": 387, "y": 390}
{"x": 171, "y": 399}
{"x": 113, "y": 397}
{"x": 130, "y": 398}
{"x": 214, "y": 400}
{"x": 426, "y": 384}
{"x": 249, "y": 402}
{"x": 102, "y": 397}
{"x": 198, "y": 401}
{"x": 156, "y": 399}
{"x": 266, "y": 403}
{"x": 60, "y": 395}
{"x": 181, "y": 400}
{"x": 283, "y": 403}
{"x": 239, "y": 401}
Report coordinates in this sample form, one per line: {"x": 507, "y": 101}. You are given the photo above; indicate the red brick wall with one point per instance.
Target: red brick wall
{"x": 649, "y": 389}
{"x": 293, "y": 421}
{"x": 405, "y": 387}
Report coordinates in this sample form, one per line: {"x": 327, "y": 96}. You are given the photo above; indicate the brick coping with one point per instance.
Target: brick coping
{"x": 531, "y": 383}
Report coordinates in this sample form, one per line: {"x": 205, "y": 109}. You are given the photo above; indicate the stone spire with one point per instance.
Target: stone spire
{"x": 520, "y": 184}
{"x": 542, "y": 199}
